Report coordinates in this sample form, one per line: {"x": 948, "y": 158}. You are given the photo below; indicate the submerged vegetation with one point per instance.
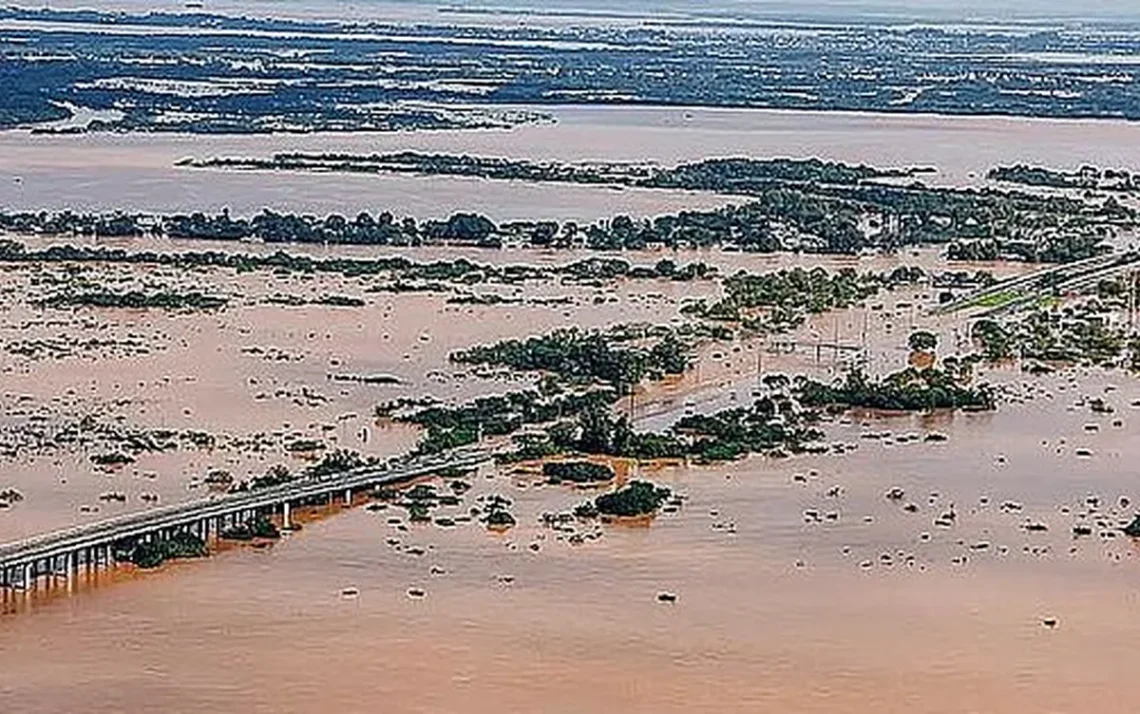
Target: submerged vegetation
{"x": 804, "y": 205}
{"x": 576, "y": 472}
{"x": 909, "y": 390}
{"x": 782, "y": 300}
{"x": 153, "y": 553}
{"x": 1132, "y": 530}
{"x": 638, "y": 498}
{"x": 580, "y": 357}
{"x": 771, "y": 425}
{"x": 774, "y": 425}
{"x": 1089, "y": 178}
{"x": 583, "y": 373}
{"x": 135, "y": 300}
{"x": 1083, "y": 332}
{"x": 256, "y": 527}
{"x": 451, "y": 427}
{"x": 404, "y": 274}
{"x": 496, "y": 516}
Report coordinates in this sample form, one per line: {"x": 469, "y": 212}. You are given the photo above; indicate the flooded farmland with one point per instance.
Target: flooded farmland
{"x": 941, "y": 562}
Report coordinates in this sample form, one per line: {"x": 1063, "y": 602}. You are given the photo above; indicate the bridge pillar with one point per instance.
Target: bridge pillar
{"x": 286, "y": 523}
{"x": 348, "y": 496}
{"x": 29, "y": 577}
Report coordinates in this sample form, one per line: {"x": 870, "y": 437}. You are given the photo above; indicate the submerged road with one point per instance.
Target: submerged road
{"x": 90, "y": 545}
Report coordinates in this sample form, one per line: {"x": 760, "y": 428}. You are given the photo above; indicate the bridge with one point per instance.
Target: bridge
{"x": 91, "y": 546}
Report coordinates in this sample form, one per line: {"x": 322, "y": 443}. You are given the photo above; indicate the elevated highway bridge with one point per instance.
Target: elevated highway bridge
{"x": 91, "y": 545}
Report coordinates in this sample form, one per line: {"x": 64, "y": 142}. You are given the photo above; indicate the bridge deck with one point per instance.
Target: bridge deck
{"x": 103, "y": 532}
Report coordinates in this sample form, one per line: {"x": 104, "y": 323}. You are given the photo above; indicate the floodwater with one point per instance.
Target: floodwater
{"x": 774, "y": 612}
{"x": 269, "y": 379}
{"x": 256, "y": 371}
{"x": 799, "y": 586}
{"x": 137, "y": 172}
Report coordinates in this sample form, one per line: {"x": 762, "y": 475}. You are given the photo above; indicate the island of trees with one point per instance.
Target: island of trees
{"x": 1089, "y": 178}
{"x": 909, "y": 390}
{"x": 727, "y": 175}
{"x": 638, "y": 498}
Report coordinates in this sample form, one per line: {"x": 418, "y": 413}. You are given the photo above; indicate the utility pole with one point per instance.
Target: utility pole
{"x": 1131, "y": 278}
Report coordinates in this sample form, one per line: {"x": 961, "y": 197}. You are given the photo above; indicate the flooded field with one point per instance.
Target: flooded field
{"x": 774, "y": 608}
{"x": 934, "y": 563}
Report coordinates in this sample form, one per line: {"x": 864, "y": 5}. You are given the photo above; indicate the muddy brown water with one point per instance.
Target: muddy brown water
{"x": 137, "y": 172}
{"x": 788, "y": 598}
{"x": 774, "y": 610}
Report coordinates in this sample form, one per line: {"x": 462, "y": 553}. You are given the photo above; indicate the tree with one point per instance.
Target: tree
{"x": 923, "y": 341}
{"x": 467, "y": 227}
{"x": 670, "y": 355}
{"x": 665, "y": 268}
{"x": 597, "y": 430}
